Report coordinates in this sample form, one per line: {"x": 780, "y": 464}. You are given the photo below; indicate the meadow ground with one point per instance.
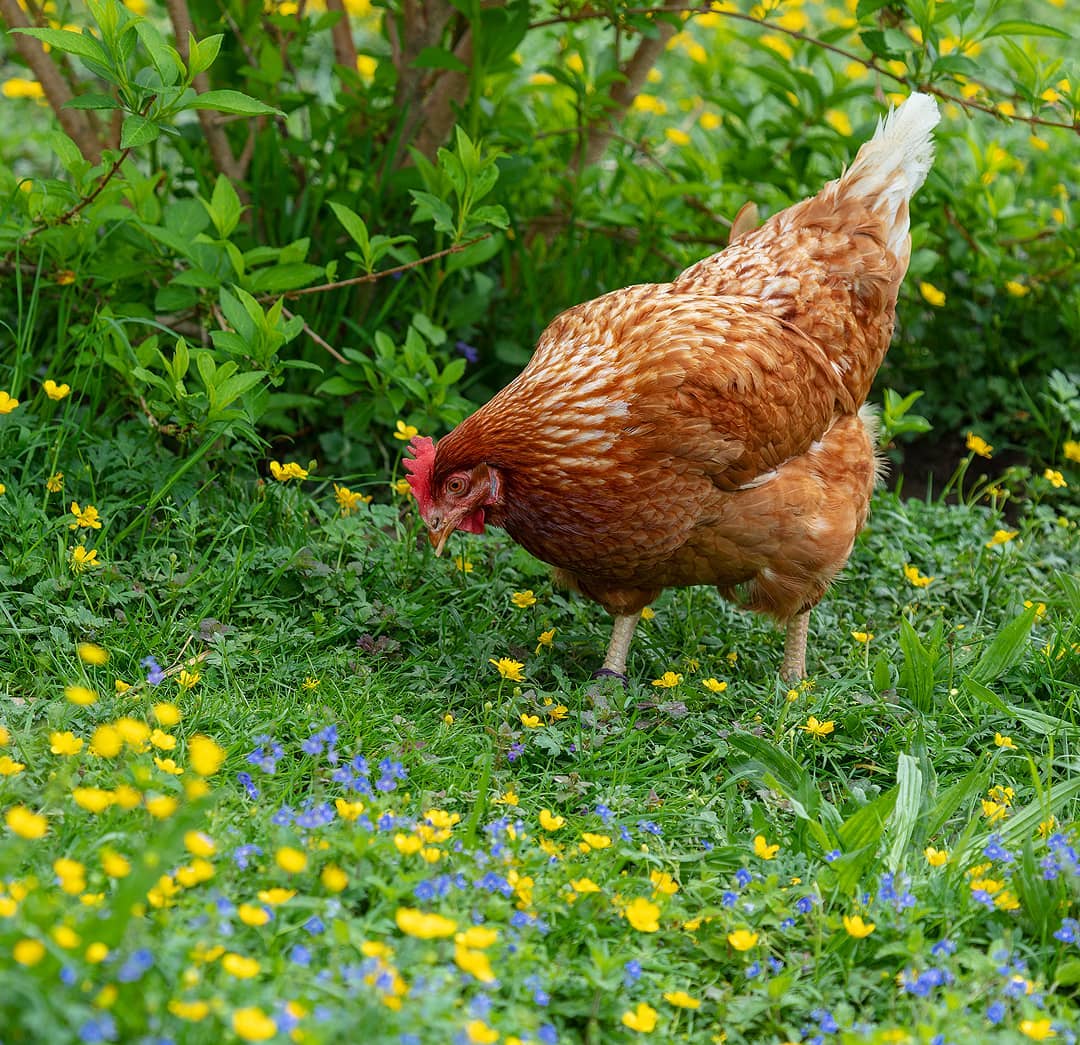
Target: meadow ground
{"x": 270, "y": 771}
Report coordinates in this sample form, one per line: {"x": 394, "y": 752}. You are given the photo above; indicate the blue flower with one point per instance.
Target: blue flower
{"x": 649, "y": 827}
{"x": 995, "y": 1012}
{"x": 283, "y": 817}
{"x": 242, "y": 855}
{"x": 1069, "y": 931}
{"x": 729, "y": 899}
{"x": 631, "y": 972}
{"x": 805, "y": 904}
{"x": 515, "y": 752}
{"x": 943, "y": 948}
{"x": 314, "y": 925}
{"x": 983, "y": 897}
{"x": 245, "y": 781}
{"x": 825, "y": 1021}
{"x": 994, "y": 850}
{"x": 98, "y": 1029}
{"x": 744, "y": 877}
{"x": 547, "y": 1034}
{"x": 470, "y": 353}
{"x": 300, "y": 955}
{"x": 624, "y": 834}
{"x": 154, "y": 675}
{"x": 135, "y": 966}
{"x": 312, "y": 746}
{"x": 753, "y": 970}
{"x": 831, "y": 855}
{"x": 603, "y": 812}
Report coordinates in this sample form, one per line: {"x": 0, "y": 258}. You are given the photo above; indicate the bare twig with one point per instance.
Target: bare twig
{"x": 85, "y": 202}
{"x": 341, "y": 34}
{"x": 370, "y": 277}
{"x": 76, "y": 123}
{"x": 320, "y": 341}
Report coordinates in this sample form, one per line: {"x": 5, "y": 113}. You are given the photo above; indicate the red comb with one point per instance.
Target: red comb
{"x": 420, "y": 466}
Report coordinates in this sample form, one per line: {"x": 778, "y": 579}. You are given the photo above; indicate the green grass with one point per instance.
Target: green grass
{"x": 259, "y": 586}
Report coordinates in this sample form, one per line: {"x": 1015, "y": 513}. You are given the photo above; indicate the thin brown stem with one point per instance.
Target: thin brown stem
{"x": 320, "y": 341}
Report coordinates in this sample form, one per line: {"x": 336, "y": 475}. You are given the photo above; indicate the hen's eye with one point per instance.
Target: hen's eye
{"x": 455, "y": 484}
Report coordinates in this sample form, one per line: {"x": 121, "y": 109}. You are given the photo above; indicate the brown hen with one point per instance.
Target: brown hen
{"x": 710, "y": 430}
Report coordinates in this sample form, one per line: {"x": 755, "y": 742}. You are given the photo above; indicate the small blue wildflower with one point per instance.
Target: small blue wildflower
{"x": 705, "y": 844}
{"x": 995, "y": 850}
{"x": 68, "y": 976}
{"x": 515, "y": 752}
{"x": 624, "y": 834}
{"x": 1050, "y": 867}
{"x": 805, "y": 904}
{"x": 995, "y": 1012}
{"x": 1069, "y": 931}
{"x": 154, "y": 675}
{"x": 98, "y": 1029}
{"x": 300, "y": 955}
{"x": 135, "y": 966}
{"x": 245, "y": 781}
{"x": 775, "y": 965}
{"x": 469, "y": 352}
{"x": 650, "y": 827}
{"x": 983, "y": 897}
{"x": 729, "y": 899}
{"x": 480, "y": 1007}
{"x": 1017, "y": 987}
{"x": 408, "y": 1038}
{"x": 753, "y": 970}
{"x": 631, "y": 972}
{"x": 788, "y": 923}
{"x": 547, "y": 1034}
{"x": 943, "y": 948}
{"x": 603, "y": 812}
{"x": 386, "y": 822}
{"x": 242, "y": 855}
{"x": 283, "y": 817}
{"x": 825, "y": 1021}
{"x": 744, "y": 877}
{"x": 831, "y": 855}
{"x": 314, "y": 925}
{"x": 495, "y": 883}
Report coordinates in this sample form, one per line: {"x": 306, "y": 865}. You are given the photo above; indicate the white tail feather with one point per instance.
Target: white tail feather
{"x": 895, "y": 162}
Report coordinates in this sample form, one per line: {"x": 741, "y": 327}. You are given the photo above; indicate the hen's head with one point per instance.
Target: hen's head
{"x": 450, "y": 497}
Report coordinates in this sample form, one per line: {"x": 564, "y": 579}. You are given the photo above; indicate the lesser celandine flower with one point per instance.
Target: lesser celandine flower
{"x": 915, "y": 578}
{"x": 240, "y": 966}
{"x": 530, "y": 721}
{"x": 55, "y": 391}
{"x": 290, "y": 860}
{"x": 474, "y": 962}
{"x": 509, "y": 669}
{"x": 405, "y": 432}
{"x": 1071, "y": 449}
{"x": 28, "y": 952}
{"x": 9, "y": 767}
{"x": 26, "y": 823}
{"x": 523, "y": 599}
{"x": 931, "y": 294}
{"x": 334, "y": 878}
{"x": 681, "y": 1000}
{"x": 818, "y": 729}
{"x": 584, "y": 885}
{"x": 106, "y": 742}
{"x": 642, "y": 1018}
{"x": 643, "y": 915}
{"x": 742, "y": 939}
{"x": 668, "y": 680}
{"x": 545, "y": 639}
{"x": 284, "y": 472}
{"x": 763, "y": 849}
{"x": 1001, "y": 537}
{"x": 714, "y": 685}
{"x": 856, "y": 927}
{"x": 85, "y": 518}
{"x": 549, "y": 821}
{"x": 188, "y": 679}
{"x": 1055, "y": 478}
{"x": 92, "y": 799}
{"x": 862, "y": 636}
{"x": 1037, "y": 1030}
{"x": 192, "y": 1011}
{"x": 477, "y": 1032}
{"x": 161, "y": 807}
{"x": 167, "y": 714}
{"x": 80, "y": 695}
{"x": 7, "y": 402}
{"x": 414, "y": 922}
{"x": 936, "y": 857}
{"x": 276, "y": 896}
{"x": 595, "y": 841}
{"x": 977, "y": 445}
{"x": 81, "y": 559}
{"x": 204, "y": 755}
{"x": 1002, "y": 741}
{"x": 349, "y": 501}
{"x": 55, "y": 482}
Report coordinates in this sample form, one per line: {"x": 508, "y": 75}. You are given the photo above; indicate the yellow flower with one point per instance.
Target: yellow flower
{"x": 1017, "y": 290}
{"x": 714, "y": 685}
{"x": 1055, "y": 478}
{"x": 710, "y": 121}
{"x": 523, "y": 599}
{"x": 856, "y": 927}
{"x": 161, "y": 807}
{"x": 9, "y": 767}
{"x": 115, "y": 865}
{"x": 188, "y": 679}
{"x": 549, "y": 821}
{"x": 405, "y": 432}
{"x": 401, "y": 486}
{"x": 1001, "y": 537}
{"x": 26, "y": 823}
{"x": 192, "y": 1011}
{"x": 85, "y": 518}
{"x": 80, "y": 695}
{"x": 994, "y": 811}
{"x": 664, "y": 883}
{"x": 558, "y": 712}
{"x": 779, "y": 45}
{"x": 284, "y": 472}
{"x": 479, "y": 1033}
{"x": 681, "y": 1000}
{"x": 348, "y": 811}
{"x": 252, "y": 1024}
{"x": 477, "y": 936}
{"x": 65, "y": 743}
{"x": 575, "y": 63}
{"x": 66, "y": 937}
{"x": 167, "y": 765}
{"x": 839, "y": 122}
{"x": 5, "y": 736}
{"x": 742, "y": 939}
{"x": 413, "y": 922}
{"x": 7, "y": 403}
{"x": 366, "y": 66}
{"x": 55, "y": 391}
{"x": 763, "y": 849}
{"x": 509, "y": 669}
{"x": 160, "y": 739}
{"x": 204, "y": 755}
{"x": 668, "y": 680}
{"x": 290, "y": 860}
{"x": 643, "y": 915}
{"x": 1037, "y": 1030}
{"x": 28, "y": 952}
{"x": 530, "y": 721}
{"x": 1000, "y": 741}
{"x": 348, "y": 501}
{"x": 931, "y": 293}
{"x": 818, "y": 729}
{"x": 167, "y": 714}
{"x": 649, "y": 103}
{"x": 677, "y": 136}
{"x": 977, "y": 445}
{"x": 89, "y": 653}
{"x": 545, "y": 639}
{"x": 463, "y": 565}
{"x": 334, "y": 878}
{"x": 92, "y": 799}
{"x": 475, "y": 963}
{"x": 252, "y": 914}
{"x": 936, "y": 857}
{"x": 407, "y": 844}
{"x": 596, "y": 841}
{"x": 642, "y": 1019}
{"x": 1071, "y": 450}
{"x": 82, "y": 560}
{"x": 276, "y": 896}
{"x": 915, "y": 578}
{"x": 239, "y": 966}
{"x": 18, "y": 87}
{"x": 584, "y": 885}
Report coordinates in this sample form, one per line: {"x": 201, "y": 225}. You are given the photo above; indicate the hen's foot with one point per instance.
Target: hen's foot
{"x": 607, "y": 673}
{"x": 793, "y": 668}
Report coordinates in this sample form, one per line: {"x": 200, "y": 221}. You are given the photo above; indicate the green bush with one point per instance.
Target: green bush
{"x": 308, "y": 221}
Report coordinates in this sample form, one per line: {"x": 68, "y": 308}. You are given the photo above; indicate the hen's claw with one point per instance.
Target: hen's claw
{"x": 607, "y": 673}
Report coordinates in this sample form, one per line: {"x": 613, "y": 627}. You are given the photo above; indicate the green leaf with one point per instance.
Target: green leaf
{"x": 202, "y": 53}
{"x": 439, "y": 58}
{"x": 92, "y": 101}
{"x": 905, "y": 815}
{"x": 138, "y": 130}
{"x": 81, "y": 44}
{"x": 166, "y": 61}
{"x": 1006, "y": 649}
{"x": 224, "y": 207}
{"x": 231, "y": 102}
{"x": 1021, "y": 27}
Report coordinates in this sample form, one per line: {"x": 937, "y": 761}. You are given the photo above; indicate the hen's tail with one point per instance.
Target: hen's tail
{"x": 891, "y": 166}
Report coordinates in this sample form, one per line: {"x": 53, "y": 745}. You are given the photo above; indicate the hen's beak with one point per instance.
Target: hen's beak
{"x": 440, "y": 536}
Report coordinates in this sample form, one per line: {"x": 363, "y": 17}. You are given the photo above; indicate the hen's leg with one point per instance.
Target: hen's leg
{"x": 794, "y": 667}
{"x": 619, "y": 648}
